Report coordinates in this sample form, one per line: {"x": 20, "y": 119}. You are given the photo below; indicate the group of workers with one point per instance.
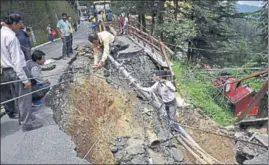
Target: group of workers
{"x": 105, "y": 43}
{"x": 98, "y": 19}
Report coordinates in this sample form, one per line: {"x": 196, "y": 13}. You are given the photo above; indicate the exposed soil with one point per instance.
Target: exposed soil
{"x": 221, "y": 148}
{"x": 110, "y": 125}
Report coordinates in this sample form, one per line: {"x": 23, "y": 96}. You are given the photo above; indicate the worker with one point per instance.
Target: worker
{"x": 100, "y": 21}
{"x": 166, "y": 90}
{"x": 109, "y": 45}
{"x": 93, "y": 20}
{"x": 13, "y": 67}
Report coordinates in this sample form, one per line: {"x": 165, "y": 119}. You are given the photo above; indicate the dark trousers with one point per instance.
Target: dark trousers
{"x": 40, "y": 94}
{"x": 66, "y": 45}
{"x": 71, "y": 44}
{"x": 23, "y": 105}
{"x": 27, "y": 53}
{"x": 171, "y": 109}
{"x": 50, "y": 37}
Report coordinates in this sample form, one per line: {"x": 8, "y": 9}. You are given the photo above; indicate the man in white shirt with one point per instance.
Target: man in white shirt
{"x": 166, "y": 90}
{"x": 13, "y": 67}
{"x": 125, "y": 24}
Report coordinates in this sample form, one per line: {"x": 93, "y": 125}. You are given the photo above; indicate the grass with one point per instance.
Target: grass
{"x": 200, "y": 94}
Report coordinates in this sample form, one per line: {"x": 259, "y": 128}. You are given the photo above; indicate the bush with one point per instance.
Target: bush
{"x": 199, "y": 93}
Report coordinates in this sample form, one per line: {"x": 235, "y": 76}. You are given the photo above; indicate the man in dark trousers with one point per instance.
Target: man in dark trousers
{"x": 64, "y": 31}
{"x": 24, "y": 37}
{"x": 13, "y": 67}
{"x": 33, "y": 65}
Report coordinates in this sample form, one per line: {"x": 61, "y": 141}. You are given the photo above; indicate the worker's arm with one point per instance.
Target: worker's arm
{"x": 153, "y": 88}
{"x": 170, "y": 86}
{"x": 106, "y": 50}
{"x": 95, "y": 55}
{"x": 16, "y": 59}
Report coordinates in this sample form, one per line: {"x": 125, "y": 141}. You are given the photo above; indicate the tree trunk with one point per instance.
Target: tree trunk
{"x": 176, "y": 9}
{"x": 160, "y": 16}
{"x": 144, "y": 22}
{"x": 139, "y": 21}
{"x": 152, "y": 22}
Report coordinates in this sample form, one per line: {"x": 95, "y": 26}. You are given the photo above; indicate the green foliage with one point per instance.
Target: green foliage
{"x": 200, "y": 94}
{"x": 38, "y": 14}
{"x": 180, "y": 31}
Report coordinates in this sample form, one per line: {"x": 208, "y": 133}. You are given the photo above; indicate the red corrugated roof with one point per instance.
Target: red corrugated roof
{"x": 235, "y": 95}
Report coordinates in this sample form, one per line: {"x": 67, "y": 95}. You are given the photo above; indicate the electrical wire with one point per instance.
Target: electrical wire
{"x": 7, "y": 101}
{"x": 50, "y": 75}
{"x": 216, "y": 51}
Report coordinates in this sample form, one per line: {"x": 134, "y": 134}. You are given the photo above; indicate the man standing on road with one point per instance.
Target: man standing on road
{"x": 49, "y": 33}
{"x": 71, "y": 34}
{"x": 24, "y": 38}
{"x": 64, "y": 31}
{"x": 13, "y": 67}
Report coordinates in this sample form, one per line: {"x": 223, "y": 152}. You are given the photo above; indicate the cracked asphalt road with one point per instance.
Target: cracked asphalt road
{"x": 49, "y": 144}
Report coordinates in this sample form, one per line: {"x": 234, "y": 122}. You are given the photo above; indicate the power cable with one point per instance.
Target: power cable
{"x": 50, "y": 75}
{"x": 217, "y": 51}
{"x": 7, "y": 101}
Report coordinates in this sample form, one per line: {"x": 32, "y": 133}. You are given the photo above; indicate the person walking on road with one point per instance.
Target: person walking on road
{"x": 13, "y": 67}
{"x": 24, "y": 38}
{"x": 64, "y": 31}
{"x": 71, "y": 34}
{"x": 49, "y": 33}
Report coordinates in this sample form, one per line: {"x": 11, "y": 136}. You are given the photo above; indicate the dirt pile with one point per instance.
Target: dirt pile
{"x": 107, "y": 121}
{"x": 221, "y": 148}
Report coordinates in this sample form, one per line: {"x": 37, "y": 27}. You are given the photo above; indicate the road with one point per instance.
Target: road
{"x": 48, "y": 144}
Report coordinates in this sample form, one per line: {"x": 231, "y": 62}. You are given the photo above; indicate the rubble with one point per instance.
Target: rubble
{"x": 248, "y": 153}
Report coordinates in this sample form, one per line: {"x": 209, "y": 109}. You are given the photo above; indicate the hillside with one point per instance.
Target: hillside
{"x": 38, "y": 14}
{"x": 247, "y": 8}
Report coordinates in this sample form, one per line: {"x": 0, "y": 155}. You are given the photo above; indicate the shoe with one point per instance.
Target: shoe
{"x": 30, "y": 127}
{"x": 38, "y": 103}
{"x": 14, "y": 116}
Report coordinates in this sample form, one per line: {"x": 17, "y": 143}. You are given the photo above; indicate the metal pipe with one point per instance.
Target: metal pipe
{"x": 133, "y": 81}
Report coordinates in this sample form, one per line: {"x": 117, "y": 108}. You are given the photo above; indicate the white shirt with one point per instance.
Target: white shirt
{"x": 99, "y": 17}
{"x": 11, "y": 53}
{"x": 125, "y": 21}
{"x": 165, "y": 89}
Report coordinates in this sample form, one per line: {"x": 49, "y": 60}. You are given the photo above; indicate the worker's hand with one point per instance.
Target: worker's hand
{"x": 47, "y": 81}
{"x": 100, "y": 64}
{"x": 95, "y": 67}
{"x": 27, "y": 84}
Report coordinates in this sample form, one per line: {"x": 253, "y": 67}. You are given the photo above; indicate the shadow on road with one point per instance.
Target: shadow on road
{"x": 9, "y": 127}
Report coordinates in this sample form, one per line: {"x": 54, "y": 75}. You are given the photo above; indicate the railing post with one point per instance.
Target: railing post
{"x": 152, "y": 47}
{"x": 162, "y": 48}
{"x": 144, "y": 42}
